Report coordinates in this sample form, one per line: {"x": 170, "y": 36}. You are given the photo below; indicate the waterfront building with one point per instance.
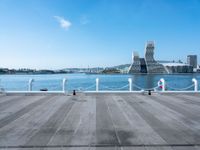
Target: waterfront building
{"x": 198, "y": 69}
{"x": 152, "y": 65}
{"x": 147, "y": 64}
{"x": 176, "y": 67}
{"x": 135, "y": 66}
{"x": 143, "y": 66}
{"x": 192, "y": 60}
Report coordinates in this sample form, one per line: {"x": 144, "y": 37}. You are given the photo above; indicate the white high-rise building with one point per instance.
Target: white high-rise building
{"x": 192, "y": 60}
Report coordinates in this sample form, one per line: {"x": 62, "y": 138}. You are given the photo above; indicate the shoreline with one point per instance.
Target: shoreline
{"x": 102, "y": 73}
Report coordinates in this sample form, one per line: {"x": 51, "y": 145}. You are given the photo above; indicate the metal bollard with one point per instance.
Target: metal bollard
{"x": 195, "y": 84}
{"x": 74, "y": 92}
{"x": 149, "y": 92}
{"x": 97, "y": 84}
{"x": 130, "y": 84}
{"x": 30, "y": 84}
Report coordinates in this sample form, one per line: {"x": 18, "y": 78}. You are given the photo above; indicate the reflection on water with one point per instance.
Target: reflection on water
{"x": 87, "y": 82}
{"x": 145, "y": 81}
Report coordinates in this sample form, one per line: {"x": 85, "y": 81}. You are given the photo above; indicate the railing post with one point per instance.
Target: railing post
{"x": 195, "y": 84}
{"x": 97, "y": 84}
{"x": 63, "y": 84}
{"x": 30, "y": 82}
{"x": 130, "y": 84}
{"x": 163, "y": 84}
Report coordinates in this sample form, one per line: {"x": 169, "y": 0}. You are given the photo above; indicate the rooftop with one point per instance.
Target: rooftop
{"x": 175, "y": 64}
{"x": 100, "y": 121}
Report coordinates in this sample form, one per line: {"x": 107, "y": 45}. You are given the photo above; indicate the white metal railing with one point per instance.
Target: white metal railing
{"x": 97, "y": 84}
{"x": 1, "y": 88}
{"x": 130, "y": 84}
{"x": 181, "y": 89}
{"x": 85, "y": 88}
{"x": 30, "y": 88}
{"x": 195, "y": 84}
{"x": 161, "y": 87}
{"x": 30, "y": 84}
{"x": 115, "y": 88}
{"x": 63, "y": 84}
{"x": 162, "y": 84}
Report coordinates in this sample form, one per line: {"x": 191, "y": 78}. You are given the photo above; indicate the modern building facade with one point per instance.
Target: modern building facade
{"x": 152, "y": 65}
{"x": 135, "y": 66}
{"x": 147, "y": 64}
{"x": 178, "y": 68}
{"x": 192, "y": 60}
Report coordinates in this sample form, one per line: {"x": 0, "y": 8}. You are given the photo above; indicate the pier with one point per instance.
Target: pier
{"x": 89, "y": 121}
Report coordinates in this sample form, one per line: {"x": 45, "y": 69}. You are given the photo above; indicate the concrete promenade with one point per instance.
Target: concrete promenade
{"x": 100, "y": 121}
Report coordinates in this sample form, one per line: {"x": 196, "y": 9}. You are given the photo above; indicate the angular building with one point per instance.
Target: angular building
{"x": 152, "y": 65}
{"x": 135, "y": 66}
{"x": 143, "y": 66}
{"x": 147, "y": 64}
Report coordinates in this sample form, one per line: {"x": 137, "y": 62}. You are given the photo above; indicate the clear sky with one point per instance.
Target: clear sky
{"x": 56, "y": 34}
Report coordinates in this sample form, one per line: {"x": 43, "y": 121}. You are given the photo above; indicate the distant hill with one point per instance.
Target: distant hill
{"x": 111, "y": 71}
{"x": 84, "y": 70}
{"x": 121, "y": 66}
{"x": 97, "y": 69}
{"x": 114, "y": 69}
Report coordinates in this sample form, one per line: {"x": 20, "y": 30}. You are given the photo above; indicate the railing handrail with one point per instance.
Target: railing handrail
{"x": 161, "y": 84}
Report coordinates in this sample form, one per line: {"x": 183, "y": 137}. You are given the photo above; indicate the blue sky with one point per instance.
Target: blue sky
{"x": 57, "y": 34}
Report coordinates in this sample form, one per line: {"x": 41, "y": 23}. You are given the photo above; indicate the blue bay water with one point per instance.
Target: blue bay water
{"x": 87, "y": 81}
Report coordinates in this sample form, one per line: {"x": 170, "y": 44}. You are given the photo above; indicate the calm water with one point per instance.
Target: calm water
{"x": 87, "y": 82}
